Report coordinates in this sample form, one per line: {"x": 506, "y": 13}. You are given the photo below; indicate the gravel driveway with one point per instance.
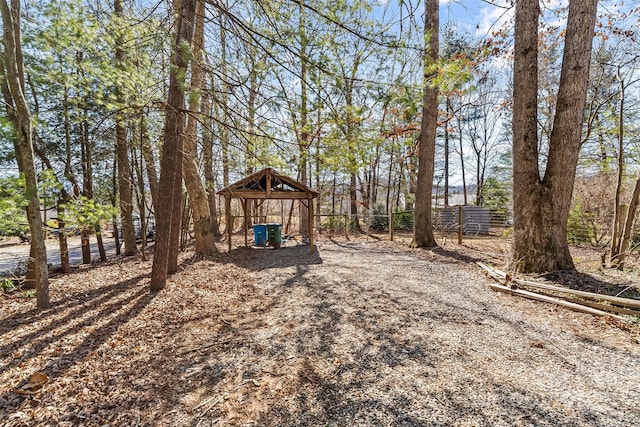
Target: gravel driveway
{"x": 401, "y": 337}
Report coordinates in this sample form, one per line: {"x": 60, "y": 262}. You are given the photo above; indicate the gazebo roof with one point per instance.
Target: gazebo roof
{"x": 268, "y": 184}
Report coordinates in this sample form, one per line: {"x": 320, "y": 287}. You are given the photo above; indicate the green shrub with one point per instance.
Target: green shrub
{"x": 578, "y": 229}
{"x": 13, "y": 218}
{"x": 332, "y": 224}
{"x": 7, "y": 284}
{"x": 379, "y": 218}
{"x": 403, "y": 221}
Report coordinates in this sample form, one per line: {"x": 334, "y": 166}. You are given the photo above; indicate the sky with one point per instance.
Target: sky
{"x": 474, "y": 15}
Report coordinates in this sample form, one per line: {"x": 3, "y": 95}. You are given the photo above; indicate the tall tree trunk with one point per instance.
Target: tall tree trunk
{"x": 376, "y": 178}
{"x": 389, "y": 185}
{"x": 423, "y": 230}
{"x": 122, "y": 150}
{"x": 616, "y": 237}
{"x": 207, "y": 154}
{"x": 141, "y": 194}
{"x": 464, "y": 180}
{"x": 250, "y": 156}
{"x": 351, "y": 157}
{"x": 478, "y": 180}
{"x": 87, "y": 166}
{"x": 353, "y": 198}
{"x": 628, "y": 226}
{"x": 541, "y": 206}
{"x": 205, "y": 245}
{"x": 317, "y": 162}
{"x": 224, "y": 131}
{"x": 68, "y": 172}
{"x": 170, "y": 170}
{"x": 333, "y": 195}
{"x": 400, "y": 179}
{"x": 303, "y": 131}
{"x": 623, "y": 225}
{"x": 113, "y": 199}
{"x": 15, "y": 100}
{"x": 446, "y": 152}
{"x": 149, "y": 160}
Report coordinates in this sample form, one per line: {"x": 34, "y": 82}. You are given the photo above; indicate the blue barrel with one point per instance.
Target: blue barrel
{"x": 260, "y": 234}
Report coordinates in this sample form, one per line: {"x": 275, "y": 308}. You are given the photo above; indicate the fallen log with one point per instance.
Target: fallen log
{"x": 623, "y": 302}
{"x": 604, "y": 307}
{"x": 545, "y": 298}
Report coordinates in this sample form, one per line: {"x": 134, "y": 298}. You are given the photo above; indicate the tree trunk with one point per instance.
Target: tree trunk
{"x": 250, "y": 156}
{"x": 176, "y": 218}
{"x": 15, "y": 100}
{"x": 170, "y": 171}
{"x": 446, "y": 153}
{"x": 222, "y": 124}
{"x": 618, "y": 215}
{"x": 68, "y": 172}
{"x": 87, "y": 166}
{"x": 389, "y": 187}
{"x": 103, "y": 254}
{"x": 112, "y": 196}
{"x": 204, "y": 245}
{"x": 628, "y": 226}
{"x": 149, "y": 160}
{"x": 207, "y": 154}
{"x": 478, "y": 180}
{"x": 353, "y": 197}
{"x": 85, "y": 246}
{"x": 352, "y": 161}
{"x": 317, "y": 163}
{"x": 464, "y": 179}
{"x": 141, "y": 195}
{"x": 122, "y": 151}
{"x": 541, "y": 206}
{"x": 303, "y": 131}
{"x": 423, "y": 230}
{"x": 64, "y": 248}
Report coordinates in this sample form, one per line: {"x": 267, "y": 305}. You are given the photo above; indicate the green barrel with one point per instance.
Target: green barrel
{"x": 274, "y": 234}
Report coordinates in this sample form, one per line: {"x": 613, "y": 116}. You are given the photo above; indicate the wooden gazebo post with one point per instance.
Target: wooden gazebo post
{"x": 310, "y": 219}
{"x": 246, "y": 220}
{"x": 227, "y": 212}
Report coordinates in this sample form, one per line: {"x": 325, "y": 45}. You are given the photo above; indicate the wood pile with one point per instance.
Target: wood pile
{"x": 585, "y": 302}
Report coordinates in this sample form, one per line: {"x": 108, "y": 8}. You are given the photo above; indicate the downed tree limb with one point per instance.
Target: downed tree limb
{"x": 623, "y": 302}
{"x": 544, "y": 298}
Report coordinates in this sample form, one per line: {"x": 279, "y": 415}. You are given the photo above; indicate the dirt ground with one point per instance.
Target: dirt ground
{"x": 359, "y": 332}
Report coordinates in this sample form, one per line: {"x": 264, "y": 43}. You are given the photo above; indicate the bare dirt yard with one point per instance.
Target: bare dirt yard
{"x": 356, "y": 333}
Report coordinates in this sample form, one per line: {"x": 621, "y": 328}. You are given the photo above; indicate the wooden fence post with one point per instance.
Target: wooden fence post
{"x": 460, "y": 219}
{"x": 346, "y": 226}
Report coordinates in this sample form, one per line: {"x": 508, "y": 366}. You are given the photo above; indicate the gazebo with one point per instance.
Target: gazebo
{"x": 263, "y": 185}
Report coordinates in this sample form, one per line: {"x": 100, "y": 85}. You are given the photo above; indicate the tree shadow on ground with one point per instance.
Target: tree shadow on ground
{"x": 257, "y": 259}
{"x": 67, "y": 333}
{"x": 587, "y": 282}
{"x": 454, "y": 255}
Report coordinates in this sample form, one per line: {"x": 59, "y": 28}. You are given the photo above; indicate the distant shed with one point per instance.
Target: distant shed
{"x": 475, "y": 219}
